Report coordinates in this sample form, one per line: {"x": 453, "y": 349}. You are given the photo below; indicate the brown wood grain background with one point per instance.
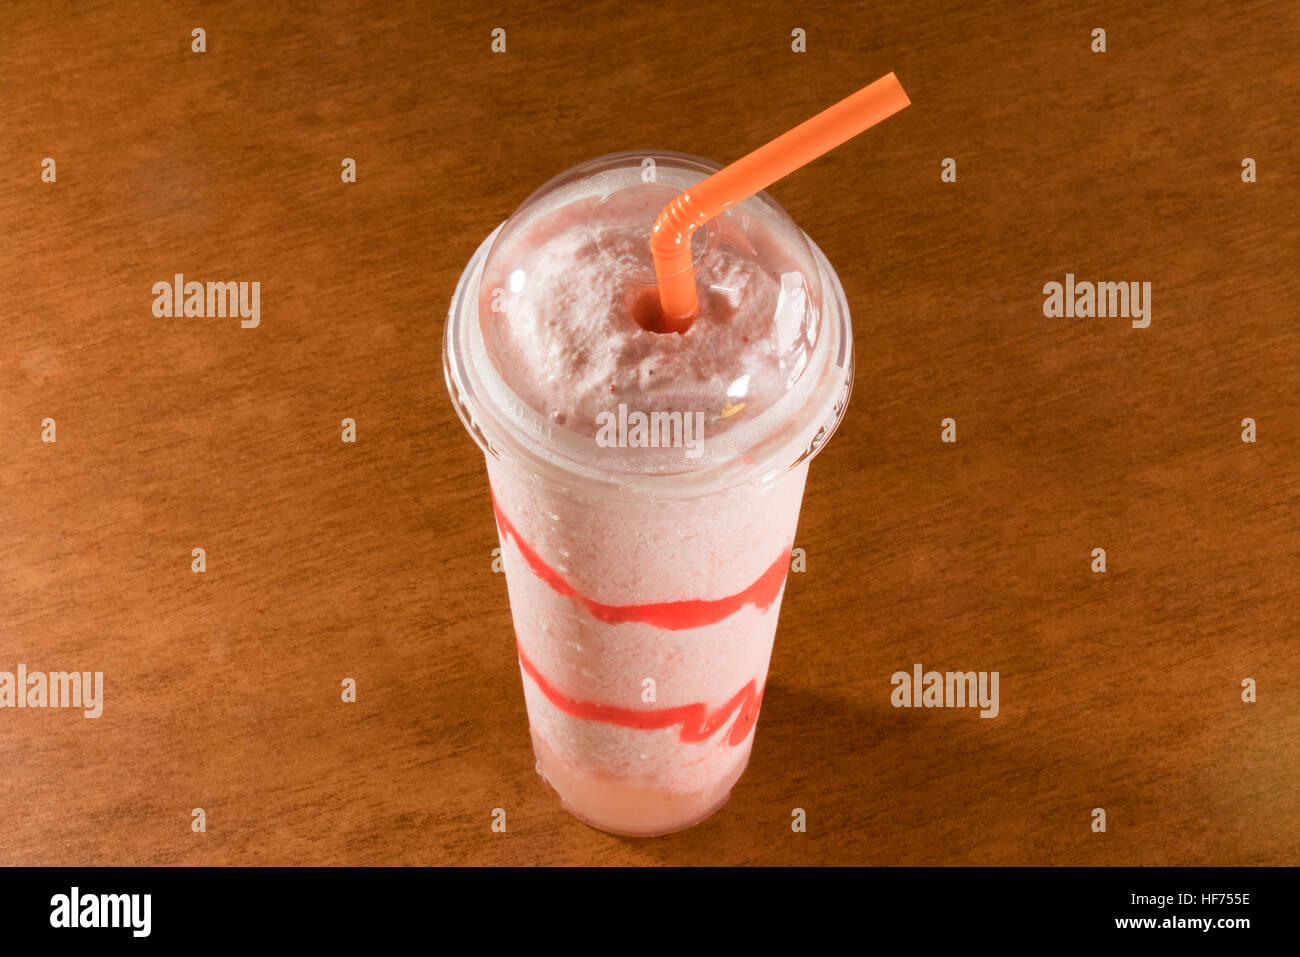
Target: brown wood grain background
{"x": 372, "y": 561}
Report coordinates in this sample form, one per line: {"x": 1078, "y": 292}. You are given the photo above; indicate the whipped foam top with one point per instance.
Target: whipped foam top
{"x": 560, "y": 321}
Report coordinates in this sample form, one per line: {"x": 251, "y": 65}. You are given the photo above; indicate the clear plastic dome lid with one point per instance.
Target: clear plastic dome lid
{"x": 568, "y": 314}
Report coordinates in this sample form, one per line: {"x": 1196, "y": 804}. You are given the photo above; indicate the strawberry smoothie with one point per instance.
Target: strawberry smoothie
{"x": 646, "y": 484}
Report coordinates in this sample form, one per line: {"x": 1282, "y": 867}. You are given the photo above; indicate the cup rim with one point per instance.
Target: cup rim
{"x": 802, "y": 432}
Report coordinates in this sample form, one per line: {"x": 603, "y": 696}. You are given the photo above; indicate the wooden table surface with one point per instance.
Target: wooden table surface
{"x": 372, "y": 560}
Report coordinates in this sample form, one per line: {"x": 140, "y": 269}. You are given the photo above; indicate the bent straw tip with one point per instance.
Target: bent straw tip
{"x": 891, "y": 79}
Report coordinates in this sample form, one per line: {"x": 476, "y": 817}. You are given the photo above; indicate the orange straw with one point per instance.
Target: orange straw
{"x": 670, "y": 240}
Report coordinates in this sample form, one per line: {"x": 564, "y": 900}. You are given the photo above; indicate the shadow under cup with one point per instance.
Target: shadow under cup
{"x": 645, "y": 589}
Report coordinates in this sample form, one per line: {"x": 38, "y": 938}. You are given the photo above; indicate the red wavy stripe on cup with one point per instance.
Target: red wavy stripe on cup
{"x": 697, "y": 721}
{"x": 671, "y": 615}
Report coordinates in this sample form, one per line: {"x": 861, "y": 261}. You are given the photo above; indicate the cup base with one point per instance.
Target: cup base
{"x": 628, "y": 810}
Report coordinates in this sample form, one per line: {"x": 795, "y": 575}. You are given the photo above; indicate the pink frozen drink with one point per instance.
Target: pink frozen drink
{"x": 646, "y": 484}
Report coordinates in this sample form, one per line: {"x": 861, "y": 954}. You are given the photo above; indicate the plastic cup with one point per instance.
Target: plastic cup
{"x": 645, "y": 580}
